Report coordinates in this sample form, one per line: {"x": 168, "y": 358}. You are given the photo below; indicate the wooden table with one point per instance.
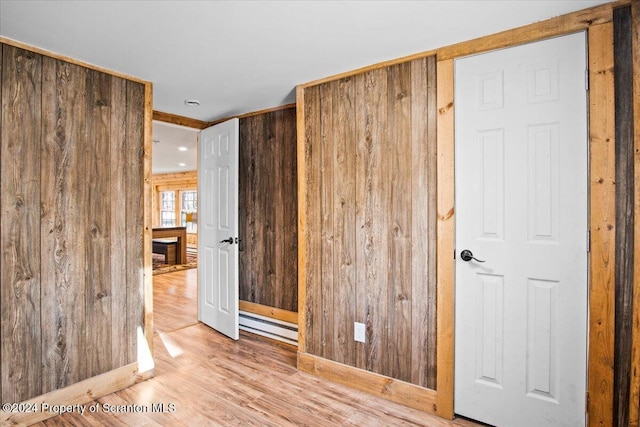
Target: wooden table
{"x": 179, "y": 233}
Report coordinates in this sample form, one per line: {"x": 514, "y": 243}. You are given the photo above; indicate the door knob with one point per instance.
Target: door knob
{"x": 229, "y": 240}
{"x": 467, "y": 255}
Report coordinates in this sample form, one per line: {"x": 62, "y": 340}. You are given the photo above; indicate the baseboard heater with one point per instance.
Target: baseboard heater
{"x": 267, "y": 327}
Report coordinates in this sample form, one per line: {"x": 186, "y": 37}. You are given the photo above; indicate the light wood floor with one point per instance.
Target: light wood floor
{"x": 213, "y": 380}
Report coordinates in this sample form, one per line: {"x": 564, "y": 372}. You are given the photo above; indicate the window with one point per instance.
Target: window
{"x": 188, "y": 210}
{"x": 168, "y": 209}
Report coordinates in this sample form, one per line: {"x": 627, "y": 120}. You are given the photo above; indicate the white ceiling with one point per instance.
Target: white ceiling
{"x": 242, "y": 56}
{"x": 167, "y": 155}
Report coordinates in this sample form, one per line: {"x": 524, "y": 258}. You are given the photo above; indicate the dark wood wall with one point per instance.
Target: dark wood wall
{"x": 71, "y": 222}
{"x": 370, "y": 220}
{"x": 268, "y": 206}
{"x": 625, "y": 368}
{"x": 624, "y": 210}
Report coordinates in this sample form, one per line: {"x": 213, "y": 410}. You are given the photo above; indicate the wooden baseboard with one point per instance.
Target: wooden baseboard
{"x": 397, "y": 391}
{"x": 272, "y": 312}
{"x": 80, "y": 394}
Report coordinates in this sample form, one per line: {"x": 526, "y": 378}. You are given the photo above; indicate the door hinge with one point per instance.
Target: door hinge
{"x": 588, "y": 241}
{"x": 586, "y": 80}
{"x": 586, "y": 402}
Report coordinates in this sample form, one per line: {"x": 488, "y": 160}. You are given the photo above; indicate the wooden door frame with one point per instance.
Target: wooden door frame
{"x": 598, "y": 23}
{"x": 599, "y": 28}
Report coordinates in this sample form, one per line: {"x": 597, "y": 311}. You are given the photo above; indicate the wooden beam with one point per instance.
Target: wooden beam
{"x": 179, "y": 120}
{"x": 445, "y": 232}
{"x": 561, "y": 25}
{"x": 80, "y": 393}
{"x": 391, "y": 389}
{"x": 272, "y": 312}
{"x": 603, "y": 216}
{"x": 179, "y": 180}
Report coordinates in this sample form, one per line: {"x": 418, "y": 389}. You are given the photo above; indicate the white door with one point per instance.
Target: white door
{"x": 218, "y": 228}
{"x": 521, "y": 207}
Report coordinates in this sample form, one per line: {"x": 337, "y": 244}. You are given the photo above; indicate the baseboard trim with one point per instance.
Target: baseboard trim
{"x": 397, "y": 391}
{"x": 80, "y": 393}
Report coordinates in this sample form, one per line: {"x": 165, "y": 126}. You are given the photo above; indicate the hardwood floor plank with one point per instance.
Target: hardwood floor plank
{"x": 214, "y": 381}
{"x": 175, "y": 300}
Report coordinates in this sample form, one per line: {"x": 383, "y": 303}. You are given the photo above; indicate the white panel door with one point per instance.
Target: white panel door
{"x": 218, "y": 228}
{"x": 521, "y": 207}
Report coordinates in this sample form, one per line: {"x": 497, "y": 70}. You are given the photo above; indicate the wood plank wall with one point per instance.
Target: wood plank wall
{"x": 624, "y": 212}
{"x": 268, "y": 210}
{"x": 71, "y": 222}
{"x": 370, "y": 165}
{"x": 605, "y": 261}
{"x": 634, "y": 392}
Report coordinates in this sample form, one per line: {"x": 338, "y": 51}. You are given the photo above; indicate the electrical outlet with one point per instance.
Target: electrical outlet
{"x": 359, "y": 332}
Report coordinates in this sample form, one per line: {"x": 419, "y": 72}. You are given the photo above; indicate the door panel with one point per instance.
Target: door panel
{"x": 489, "y": 318}
{"x": 521, "y": 206}
{"x": 217, "y": 236}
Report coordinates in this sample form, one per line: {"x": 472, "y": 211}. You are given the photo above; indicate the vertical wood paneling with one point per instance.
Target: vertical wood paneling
{"x": 268, "y": 210}
{"x": 325, "y": 310}
{"x": 624, "y": 212}
{"x": 135, "y": 216}
{"x": 266, "y": 289}
{"x": 399, "y": 214}
{"x": 20, "y": 335}
{"x": 431, "y": 207}
{"x": 423, "y": 237}
{"x": 311, "y": 223}
{"x": 362, "y": 227}
{"x": 343, "y": 167}
{"x": 289, "y": 256}
{"x": 143, "y": 135}
{"x": 377, "y": 204}
{"x": 98, "y": 224}
{"x": 258, "y": 243}
{"x": 245, "y": 215}
{"x": 63, "y": 207}
{"x": 375, "y": 290}
{"x": 278, "y": 211}
{"x": 71, "y": 222}
{"x": 602, "y": 225}
{"x": 118, "y": 226}
{"x": 1, "y": 214}
{"x": 634, "y": 395}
